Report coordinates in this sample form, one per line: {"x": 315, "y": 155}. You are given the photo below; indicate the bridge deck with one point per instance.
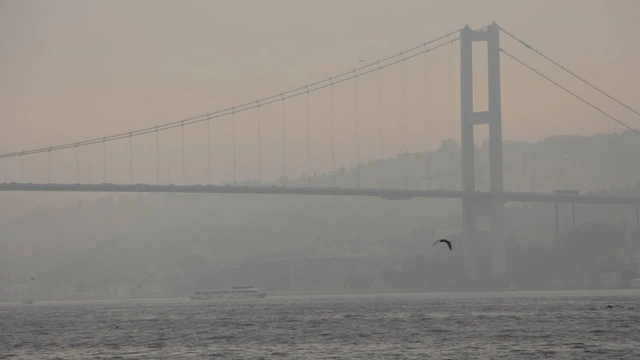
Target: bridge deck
{"x": 391, "y": 194}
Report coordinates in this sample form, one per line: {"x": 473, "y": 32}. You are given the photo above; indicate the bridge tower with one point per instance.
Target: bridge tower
{"x": 493, "y": 206}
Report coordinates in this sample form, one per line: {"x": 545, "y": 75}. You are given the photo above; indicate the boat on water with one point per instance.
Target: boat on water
{"x": 234, "y": 292}
{"x": 27, "y": 302}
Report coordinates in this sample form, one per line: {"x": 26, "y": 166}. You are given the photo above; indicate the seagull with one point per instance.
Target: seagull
{"x": 444, "y": 241}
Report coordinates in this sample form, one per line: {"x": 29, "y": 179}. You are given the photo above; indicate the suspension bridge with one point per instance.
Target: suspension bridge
{"x": 429, "y": 180}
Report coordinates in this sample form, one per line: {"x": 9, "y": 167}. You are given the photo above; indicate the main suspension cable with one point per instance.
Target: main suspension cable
{"x": 570, "y": 72}
{"x": 571, "y": 93}
{"x": 346, "y": 76}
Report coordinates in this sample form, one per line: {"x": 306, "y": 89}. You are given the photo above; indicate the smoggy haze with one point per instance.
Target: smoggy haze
{"x": 70, "y": 70}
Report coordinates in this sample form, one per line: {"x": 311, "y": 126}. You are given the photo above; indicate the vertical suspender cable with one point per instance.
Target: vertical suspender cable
{"x": 49, "y": 165}
{"x": 284, "y": 142}
{"x": 104, "y": 160}
{"x": 405, "y": 153}
{"x": 333, "y": 136}
{"x": 208, "y": 150}
{"x": 77, "y": 165}
{"x": 157, "y": 159}
{"x": 233, "y": 142}
{"x": 308, "y": 140}
{"x": 259, "y": 143}
{"x": 427, "y": 119}
{"x": 130, "y": 158}
{"x": 450, "y": 115}
{"x": 356, "y": 130}
{"x": 454, "y": 131}
{"x": 21, "y": 167}
{"x": 380, "y": 130}
{"x": 184, "y": 177}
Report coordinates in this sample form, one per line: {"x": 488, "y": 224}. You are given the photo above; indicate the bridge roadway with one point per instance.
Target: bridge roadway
{"x": 390, "y": 194}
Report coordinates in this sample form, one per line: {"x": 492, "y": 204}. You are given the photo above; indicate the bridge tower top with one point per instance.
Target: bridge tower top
{"x": 470, "y": 117}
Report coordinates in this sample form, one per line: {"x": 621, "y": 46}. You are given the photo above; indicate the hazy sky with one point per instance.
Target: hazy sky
{"x": 71, "y": 70}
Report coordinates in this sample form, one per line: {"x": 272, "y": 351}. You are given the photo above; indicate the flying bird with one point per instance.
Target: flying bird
{"x": 444, "y": 241}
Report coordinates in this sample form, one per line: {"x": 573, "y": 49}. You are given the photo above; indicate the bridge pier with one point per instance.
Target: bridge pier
{"x": 493, "y": 118}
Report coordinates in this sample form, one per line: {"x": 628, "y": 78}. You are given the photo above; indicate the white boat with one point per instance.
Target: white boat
{"x": 235, "y": 292}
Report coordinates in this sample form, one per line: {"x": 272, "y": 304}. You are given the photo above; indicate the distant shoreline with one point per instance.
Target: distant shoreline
{"x": 347, "y": 293}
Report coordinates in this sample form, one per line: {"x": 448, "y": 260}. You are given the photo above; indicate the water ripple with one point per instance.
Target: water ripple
{"x": 443, "y": 326}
